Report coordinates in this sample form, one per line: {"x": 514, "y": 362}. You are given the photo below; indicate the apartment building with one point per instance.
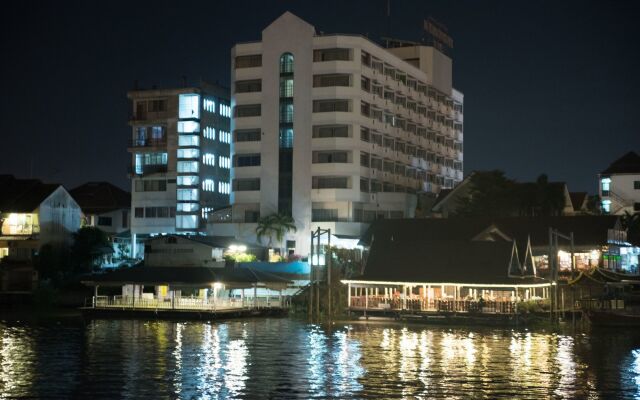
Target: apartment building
{"x": 337, "y": 131}
{"x": 180, "y": 160}
{"x": 619, "y": 185}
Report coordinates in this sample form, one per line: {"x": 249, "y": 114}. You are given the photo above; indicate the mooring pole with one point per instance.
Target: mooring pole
{"x": 573, "y": 291}
{"x": 311, "y": 279}
{"x": 318, "y": 281}
{"x": 328, "y": 262}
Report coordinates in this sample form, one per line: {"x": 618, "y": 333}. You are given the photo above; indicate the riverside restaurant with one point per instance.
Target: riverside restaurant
{"x": 195, "y": 289}
{"x": 413, "y": 276}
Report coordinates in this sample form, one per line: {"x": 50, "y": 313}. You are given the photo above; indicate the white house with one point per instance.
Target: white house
{"x": 619, "y": 185}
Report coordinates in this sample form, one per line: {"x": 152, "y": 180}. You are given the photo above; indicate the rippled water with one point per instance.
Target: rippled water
{"x": 284, "y": 358}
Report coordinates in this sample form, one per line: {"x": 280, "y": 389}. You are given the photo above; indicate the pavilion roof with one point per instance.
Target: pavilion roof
{"x": 456, "y": 262}
{"x": 183, "y": 276}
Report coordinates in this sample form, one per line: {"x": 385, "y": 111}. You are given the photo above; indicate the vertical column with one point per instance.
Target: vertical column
{"x": 366, "y": 298}
{"x": 349, "y": 295}
{"x": 255, "y": 295}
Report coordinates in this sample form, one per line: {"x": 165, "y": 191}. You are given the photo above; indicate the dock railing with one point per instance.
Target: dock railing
{"x": 190, "y": 303}
{"x": 432, "y": 305}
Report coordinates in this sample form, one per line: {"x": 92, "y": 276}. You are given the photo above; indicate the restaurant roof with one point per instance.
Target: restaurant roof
{"x": 461, "y": 262}
{"x": 587, "y": 229}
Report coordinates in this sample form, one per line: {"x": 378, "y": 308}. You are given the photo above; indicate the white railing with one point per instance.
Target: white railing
{"x": 189, "y": 303}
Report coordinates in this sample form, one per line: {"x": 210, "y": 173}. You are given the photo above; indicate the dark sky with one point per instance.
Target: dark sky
{"x": 550, "y": 86}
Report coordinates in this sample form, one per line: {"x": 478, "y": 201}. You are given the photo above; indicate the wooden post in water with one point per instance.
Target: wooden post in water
{"x": 573, "y": 291}
{"x": 310, "y": 312}
{"x": 318, "y": 281}
{"x": 327, "y": 261}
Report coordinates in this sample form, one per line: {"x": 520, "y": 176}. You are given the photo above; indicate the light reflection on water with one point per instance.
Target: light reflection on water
{"x": 282, "y": 358}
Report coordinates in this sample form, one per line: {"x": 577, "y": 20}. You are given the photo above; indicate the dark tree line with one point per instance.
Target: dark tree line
{"x": 492, "y": 194}
{"x": 60, "y": 263}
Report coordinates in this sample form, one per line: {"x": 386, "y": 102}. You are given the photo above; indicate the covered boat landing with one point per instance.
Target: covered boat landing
{"x": 201, "y": 292}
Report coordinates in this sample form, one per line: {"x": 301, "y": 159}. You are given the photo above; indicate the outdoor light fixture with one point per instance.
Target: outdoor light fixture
{"x": 238, "y": 248}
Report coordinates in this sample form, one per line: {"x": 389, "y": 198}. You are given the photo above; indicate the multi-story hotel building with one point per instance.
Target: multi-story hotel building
{"x": 337, "y": 131}
{"x": 180, "y": 158}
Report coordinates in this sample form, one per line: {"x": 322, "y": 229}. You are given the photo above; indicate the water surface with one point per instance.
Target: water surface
{"x": 285, "y": 358}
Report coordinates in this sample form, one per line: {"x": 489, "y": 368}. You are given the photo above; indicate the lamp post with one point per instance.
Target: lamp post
{"x": 314, "y": 276}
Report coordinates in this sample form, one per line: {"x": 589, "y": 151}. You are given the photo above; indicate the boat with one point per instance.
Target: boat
{"x": 613, "y": 318}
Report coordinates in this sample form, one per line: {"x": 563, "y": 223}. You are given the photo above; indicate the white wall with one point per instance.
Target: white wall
{"x": 622, "y": 193}
{"x": 161, "y": 252}
{"x": 59, "y": 217}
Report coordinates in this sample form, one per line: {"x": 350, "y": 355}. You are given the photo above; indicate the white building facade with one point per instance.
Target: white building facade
{"x": 619, "y": 185}
{"x": 337, "y": 131}
{"x": 180, "y": 160}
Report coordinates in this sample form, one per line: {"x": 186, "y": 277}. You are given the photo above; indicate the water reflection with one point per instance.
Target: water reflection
{"x": 281, "y": 358}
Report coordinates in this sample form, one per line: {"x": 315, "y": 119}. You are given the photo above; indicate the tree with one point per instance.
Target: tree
{"x": 490, "y": 194}
{"x": 89, "y": 245}
{"x": 631, "y": 222}
{"x": 274, "y": 224}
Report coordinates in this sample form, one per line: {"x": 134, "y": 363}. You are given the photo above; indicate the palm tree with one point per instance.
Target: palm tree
{"x": 275, "y": 224}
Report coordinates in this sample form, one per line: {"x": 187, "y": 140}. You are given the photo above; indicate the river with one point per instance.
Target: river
{"x": 288, "y": 358}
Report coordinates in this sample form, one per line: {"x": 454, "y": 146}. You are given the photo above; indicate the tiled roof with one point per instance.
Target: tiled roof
{"x": 627, "y": 164}
{"x": 578, "y": 199}
{"x": 23, "y": 195}
{"x": 443, "y": 262}
{"x": 587, "y": 229}
{"x": 100, "y": 197}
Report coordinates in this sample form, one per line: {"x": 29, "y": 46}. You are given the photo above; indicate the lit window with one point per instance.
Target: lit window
{"x": 209, "y": 133}
{"x": 606, "y": 184}
{"x": 225, "y": 137}
{"x": 224, "y": 162}
{"x": 209, "y": 105}
{"x": 188, "y": 126}
{"x": 224, "y": 187}
{"x": 138, "y": 163}
{"x": 188, "y": 140}
{"x": 209, "y": 159}
{"x": 189, "y": 106}
{"x": 188, "y": 153}
{"x": 225, "y": 110}
{"x": 187, "y": 207}
{"x": 187, "y": 194}
{"x": 188, "y": 166}
{"x": 208, "y": 185}
{"x": 188, "y": 180}
{"x": 606, "y": 206}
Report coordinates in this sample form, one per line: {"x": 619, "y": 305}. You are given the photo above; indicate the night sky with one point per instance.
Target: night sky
{"x": 550, "y": 86}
